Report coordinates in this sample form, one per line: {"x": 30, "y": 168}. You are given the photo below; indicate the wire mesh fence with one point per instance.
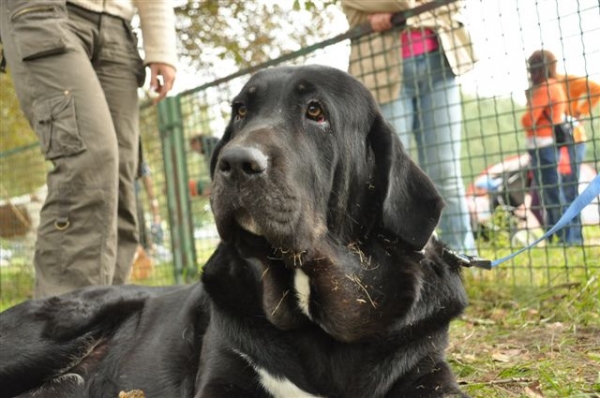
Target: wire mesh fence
{"x": 463, "y": 123}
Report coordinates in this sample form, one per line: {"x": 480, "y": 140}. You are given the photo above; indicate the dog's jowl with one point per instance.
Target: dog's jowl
{"x": 327, "y": 281}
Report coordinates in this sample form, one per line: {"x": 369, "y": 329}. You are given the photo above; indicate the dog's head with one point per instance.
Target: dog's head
{"x": 307, "y": 155}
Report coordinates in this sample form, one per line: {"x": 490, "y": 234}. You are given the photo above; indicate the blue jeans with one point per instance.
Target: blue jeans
{"x": 544, "y": 163}
{"x": 570, "y": 190}
{"x": 429, "y": 110}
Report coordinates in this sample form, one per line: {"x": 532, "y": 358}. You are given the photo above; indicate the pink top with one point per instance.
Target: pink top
{"x": 418, "y": 41}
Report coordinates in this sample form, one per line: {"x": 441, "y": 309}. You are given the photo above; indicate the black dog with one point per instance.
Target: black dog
{"x": 327, "y": 282}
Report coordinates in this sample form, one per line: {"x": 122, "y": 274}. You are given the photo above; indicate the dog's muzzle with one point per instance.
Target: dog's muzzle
{"x": 238, "y": 164}
{"x": 241, "y": 166}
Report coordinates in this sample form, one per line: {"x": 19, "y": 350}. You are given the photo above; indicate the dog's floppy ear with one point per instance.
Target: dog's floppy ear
{"x": 411, "y": 205}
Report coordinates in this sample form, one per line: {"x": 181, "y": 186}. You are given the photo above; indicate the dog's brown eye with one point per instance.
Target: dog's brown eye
{"x": 315, "y": 112}
{"x": 240, "y": 111}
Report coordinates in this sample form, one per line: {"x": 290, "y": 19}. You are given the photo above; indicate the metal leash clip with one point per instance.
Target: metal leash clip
{"x": 468, "y": 261}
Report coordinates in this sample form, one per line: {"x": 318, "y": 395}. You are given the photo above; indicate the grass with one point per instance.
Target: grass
{"x": 532, "y": 328}
{"x": 533, "y": 325}
{"x": 16, "y": 280}
{"x": 16, "y": 284}
{"x": 524, "y": 341}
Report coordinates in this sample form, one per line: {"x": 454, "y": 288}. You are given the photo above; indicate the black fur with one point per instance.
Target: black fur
{"x": 310, "y": 188}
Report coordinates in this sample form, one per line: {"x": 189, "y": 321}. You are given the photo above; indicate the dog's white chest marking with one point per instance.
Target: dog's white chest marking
{"x": 281, "y": 387}
{"x": 278, "y": 387}
{"x": 302, "y": 286}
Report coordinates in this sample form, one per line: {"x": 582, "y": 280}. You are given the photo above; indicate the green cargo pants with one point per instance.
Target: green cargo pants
{"x": 76, "y": 74}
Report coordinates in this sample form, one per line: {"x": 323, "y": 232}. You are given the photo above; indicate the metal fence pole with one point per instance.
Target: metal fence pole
{"x": 178, "y": 200}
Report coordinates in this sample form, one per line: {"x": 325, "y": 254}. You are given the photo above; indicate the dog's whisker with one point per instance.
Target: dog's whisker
{"x": 279, "y": 303}
{"x": 265, "y": 272}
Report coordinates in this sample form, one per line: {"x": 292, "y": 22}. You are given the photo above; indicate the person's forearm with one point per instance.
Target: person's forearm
{"x": 357, "y": 11}
{"x": 372, "y": 7}
{"x": 157, "y": 21}
{"x": 589, "y": 99}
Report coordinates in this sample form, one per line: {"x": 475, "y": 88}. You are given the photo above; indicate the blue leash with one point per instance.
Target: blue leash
{"x": 585, "y": 198}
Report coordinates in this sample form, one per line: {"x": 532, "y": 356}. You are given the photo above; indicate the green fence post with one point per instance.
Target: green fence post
{"x": 176, "y": 177}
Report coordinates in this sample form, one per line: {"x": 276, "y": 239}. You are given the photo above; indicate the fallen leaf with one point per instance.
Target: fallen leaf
{"x": 506, "y": 355}
{"x": 469, "y": 358}
{"x": 534, "y": 390}
{"x": 500, "y": 357}
{"x": 132, "y": 394}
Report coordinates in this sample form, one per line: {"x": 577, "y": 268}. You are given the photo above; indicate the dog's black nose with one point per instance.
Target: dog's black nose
{"x": 242, "y": 162}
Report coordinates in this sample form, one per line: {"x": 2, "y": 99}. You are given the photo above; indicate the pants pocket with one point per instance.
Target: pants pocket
{"x": 38, "y": 28}
{"x": 139, "y": 68}
{"x": 55, "y": 123}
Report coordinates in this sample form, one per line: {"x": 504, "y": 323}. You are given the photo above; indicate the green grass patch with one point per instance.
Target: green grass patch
{"x": 17, "y": 280}
{"x": 522, "y": 340}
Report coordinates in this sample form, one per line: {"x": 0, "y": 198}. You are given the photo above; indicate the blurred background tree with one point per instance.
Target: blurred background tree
{"x": 218, "y": 37}
{"x": 22, "y": 165}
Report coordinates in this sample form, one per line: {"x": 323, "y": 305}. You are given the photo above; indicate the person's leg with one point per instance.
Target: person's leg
{"x": 120, "y": 71}
{"x": 399, "y": 113}
{"x": 544, "y": 166}
{"x": 580, "y": 149}
{"x": 570, "y": 189}
{"x": 536, "y": 206}
{"x": 63, "y": 100}
{"x": 440, "y": 113}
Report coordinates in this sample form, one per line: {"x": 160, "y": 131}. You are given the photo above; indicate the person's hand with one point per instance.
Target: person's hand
{"x": 381, "y": 21}
{"x": 164, "y": 84}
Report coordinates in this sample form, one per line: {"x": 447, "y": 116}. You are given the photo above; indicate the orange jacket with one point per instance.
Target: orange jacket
{"x": 549, "y": 98}
{"x": 583, "y": 94}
